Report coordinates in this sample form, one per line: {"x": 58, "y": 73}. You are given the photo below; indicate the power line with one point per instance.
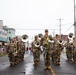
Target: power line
{"x": 66, "y": 24}
{"x": 68, "y": 28}
{"x": 33, "y": 29}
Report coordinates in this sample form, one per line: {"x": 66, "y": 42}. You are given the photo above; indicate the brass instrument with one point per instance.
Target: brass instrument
{"x": 15, "y": 53}
{"x": 37, "y": 44}
{"x": 46, "y": 42}
{"x": 24, "y": 37}
{"x": 70, "y": 35}
{"x": 49, "y": 40}
{"x": 40, "y": 35}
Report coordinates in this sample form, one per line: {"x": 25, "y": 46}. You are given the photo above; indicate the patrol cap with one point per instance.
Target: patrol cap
{"x": 56, "y": 34}
{"x": 74, "y": 38}
{"x": 46, "y": 30}
{"x": 36, "y": 36}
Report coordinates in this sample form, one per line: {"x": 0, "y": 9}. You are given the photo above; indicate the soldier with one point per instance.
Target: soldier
{"x": 10, "y": 53}
{"x": 46, "y": 50}
{"x": 36, "y": 50}
{"x": 56, "y": 50}
{"x": 15, "y": 51}
{"x": 19, "y": 51}
{"x": 69, "y": 48}
{"x": 22, "y": 51}
{"x": 74, "y": 50}
{"x": 18, "y": 58}
{"x": 52, "y": 48}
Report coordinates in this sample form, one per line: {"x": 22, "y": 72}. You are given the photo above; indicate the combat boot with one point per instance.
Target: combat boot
{"x": 75, "y": 62}
{"x": 34, "y": 63}
{"x": 45, "y": 68}
{"x": 22, "y": 59}
{"x": 49, "y": 67}
{"x": 38, "y": 62}
{"x": 11, "y": 64}
{"x": 15, "y": 63}
{"x": 58, "y": 63}
{"x": 54, "y": 62}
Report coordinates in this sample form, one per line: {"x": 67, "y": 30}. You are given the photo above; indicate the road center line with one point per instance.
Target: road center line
{"x": 53, "y": 73}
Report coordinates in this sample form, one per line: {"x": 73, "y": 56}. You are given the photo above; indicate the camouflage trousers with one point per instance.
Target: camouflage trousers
{"x": 36, "y": 55}
{"x": 69, "y": 54}
{"x": 46, "y": 55}
{"x": 56, "y": 56}
{"x": 74, "y": 56}
{"x": 11, "y": 58}
{"x": 22, "y": 56}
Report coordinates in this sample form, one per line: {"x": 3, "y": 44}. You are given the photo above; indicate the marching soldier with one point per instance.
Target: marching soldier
{"x": 57, "y": 50}
{"x": 22, "y": 51}
{"x": 74, "y": 50}
{"x": 36, "y": 50}
{"x": 18, "y": 58}
{"x": 69, "y": 47}
{"x": 16, "y": 50}
{"x": 46, "y": 50}
{"x": 11, "y": 49}
{"x": 52, "y": 48}
{"x": 19, "y": 51}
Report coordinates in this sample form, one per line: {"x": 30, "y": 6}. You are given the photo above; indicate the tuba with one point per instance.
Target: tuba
{"x": 40, "y": 35}
{"x": 70, "y": 35}
{"x": 37, "y": 44}
{"x": 24, "y": 37}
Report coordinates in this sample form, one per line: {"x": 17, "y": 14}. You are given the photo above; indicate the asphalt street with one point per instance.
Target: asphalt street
{"x": 26, "y": 67}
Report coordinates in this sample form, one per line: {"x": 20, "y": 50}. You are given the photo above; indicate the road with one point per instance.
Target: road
{"x": 26, "y": 67}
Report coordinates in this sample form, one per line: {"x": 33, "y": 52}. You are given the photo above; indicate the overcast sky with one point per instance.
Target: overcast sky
{"x": 28, "y": 15}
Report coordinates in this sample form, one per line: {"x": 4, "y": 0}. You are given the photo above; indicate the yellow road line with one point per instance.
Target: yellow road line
{"x": 53, "y": 73}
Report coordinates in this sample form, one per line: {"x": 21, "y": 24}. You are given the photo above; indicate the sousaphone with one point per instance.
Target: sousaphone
{"x": 24, "y": 37}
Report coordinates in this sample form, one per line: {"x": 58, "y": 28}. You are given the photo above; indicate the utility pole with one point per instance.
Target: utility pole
{"x": 75, "y": 18}
{"x": 53, "y": 32}
{"x": 60, "y": 27}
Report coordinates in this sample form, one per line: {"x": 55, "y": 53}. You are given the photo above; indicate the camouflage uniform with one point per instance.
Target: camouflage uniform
{"x": 56, "y": 52}
{"x": 22, "y": 51}
{"x": 15, "y": 53}
{"x": 19, "y": 51}
{"x": 36, "y": 51}
{"x": 74, "y": 51}
{"x": 52, "y": 51}
{"x": 69, "y": 50}
{"x": 46, "y": 51}
{"x": 10, "y": 53}
{"x": 57, "y": 49}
